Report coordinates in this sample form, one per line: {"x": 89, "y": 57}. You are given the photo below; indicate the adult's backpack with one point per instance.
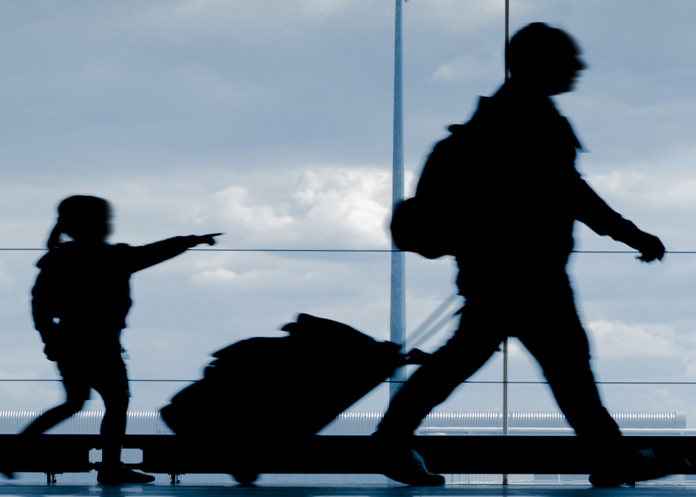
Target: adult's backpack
{"x": 430, "y": 223}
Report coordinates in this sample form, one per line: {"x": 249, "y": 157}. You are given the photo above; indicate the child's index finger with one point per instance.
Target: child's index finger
{"x": 210, "y": 238}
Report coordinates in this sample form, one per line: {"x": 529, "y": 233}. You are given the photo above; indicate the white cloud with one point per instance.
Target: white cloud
{"x": 277, "y": 278}
{"x": 231, "y": 208}
{"x": 261, "y": 280}
{"x": 287, "y": 277}
{"x": 616, "y": 339}
{"x": 621, "y": 132}
{"x": 410, "y": 183}
{"x": 328, "y": 207}
{"x": 351, "y": 203}
{"x": 467, "y": 68}
{"x": 671, "y": 190}
{"x": 213, "y": 277}
{"x": 661, "y": 202}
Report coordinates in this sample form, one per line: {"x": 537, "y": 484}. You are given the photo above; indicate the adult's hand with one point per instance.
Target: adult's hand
{"x": 650, "y": 247}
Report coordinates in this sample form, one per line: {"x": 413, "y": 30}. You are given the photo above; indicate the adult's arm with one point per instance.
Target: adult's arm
{"x": 603, "y": 220}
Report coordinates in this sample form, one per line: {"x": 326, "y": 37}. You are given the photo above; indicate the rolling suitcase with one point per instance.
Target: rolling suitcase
{"x": 283, "y": 388}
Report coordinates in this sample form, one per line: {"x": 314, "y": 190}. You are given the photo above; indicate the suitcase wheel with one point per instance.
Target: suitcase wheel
{"x": 245, "y": 477}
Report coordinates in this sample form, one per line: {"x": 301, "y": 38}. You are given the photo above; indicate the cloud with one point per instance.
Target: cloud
{"x": 352, "y": 203}
{"x": 232, "y": 209}
{"x": 616, "y": 339}
{"x": 658, "y": 201}
{"x": 327, "y": 207}
{"x": 671, "y": 190}
{"x": 620, "y": 132}
{"x": 216, "y": 276}
{"x": 465, "y": 68}
{"x": 270, "y": 276}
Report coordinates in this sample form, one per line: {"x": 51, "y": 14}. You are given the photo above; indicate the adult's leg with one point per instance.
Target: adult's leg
{"x": 465, "y": 353}
{"x": 563, "y": 353}
{"x": 471, "y": 346}
{"x": 560, "y": 345}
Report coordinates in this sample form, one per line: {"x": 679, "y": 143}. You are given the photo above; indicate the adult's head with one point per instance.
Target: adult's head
{"x": 83, "y": 218}
{"x": 543, "y": 59}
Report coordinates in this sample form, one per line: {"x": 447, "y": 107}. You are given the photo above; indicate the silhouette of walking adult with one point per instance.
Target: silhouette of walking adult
{"x": 507, "y": 186}
{"x": 80, "y": 302}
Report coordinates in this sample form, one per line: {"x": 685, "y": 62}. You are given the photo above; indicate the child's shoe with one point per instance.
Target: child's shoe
{"x": 119, "y": 475}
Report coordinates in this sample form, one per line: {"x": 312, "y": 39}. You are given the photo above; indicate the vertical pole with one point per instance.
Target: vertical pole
{"x": 397, "y": 316}
{"x": 507, "y": 37}
{"x": 505, "y": 342}
{"x": 505, "y": 396}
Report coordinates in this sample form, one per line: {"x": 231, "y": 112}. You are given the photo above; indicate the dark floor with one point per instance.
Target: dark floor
{"x": 454, "y": 490}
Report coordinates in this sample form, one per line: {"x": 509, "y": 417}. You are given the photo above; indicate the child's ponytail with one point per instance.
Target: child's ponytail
{"x": 80, "y": 216}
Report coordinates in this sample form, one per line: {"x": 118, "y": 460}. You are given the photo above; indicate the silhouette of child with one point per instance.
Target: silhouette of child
{"x": 80, "y": 302}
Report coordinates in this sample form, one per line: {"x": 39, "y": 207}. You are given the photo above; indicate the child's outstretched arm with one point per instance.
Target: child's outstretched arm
{"x": 154, "y": 253}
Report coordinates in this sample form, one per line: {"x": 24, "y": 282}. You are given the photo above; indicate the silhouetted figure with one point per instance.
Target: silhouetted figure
{"x": 508, "y": 192}
{"x": 80, "y": 302}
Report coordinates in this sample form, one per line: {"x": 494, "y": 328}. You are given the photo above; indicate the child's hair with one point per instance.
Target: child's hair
{"x": 78, "y": 215}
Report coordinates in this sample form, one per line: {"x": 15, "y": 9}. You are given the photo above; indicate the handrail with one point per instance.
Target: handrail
{"x": 543, "y": 430}
{"x": 475, "y": 382}
{"x": 25, "y": 249}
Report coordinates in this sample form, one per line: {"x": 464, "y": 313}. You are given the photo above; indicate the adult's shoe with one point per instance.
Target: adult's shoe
{"x": 120, "y": 475}
{"x": 407, "y": 466}
{"x": 638, "y": 465}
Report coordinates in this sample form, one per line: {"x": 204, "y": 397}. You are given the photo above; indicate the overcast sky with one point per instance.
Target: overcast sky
{"x": 271, "y": 121}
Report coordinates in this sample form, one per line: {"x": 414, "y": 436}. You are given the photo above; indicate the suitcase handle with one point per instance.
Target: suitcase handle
{"x": 417, "y": 356}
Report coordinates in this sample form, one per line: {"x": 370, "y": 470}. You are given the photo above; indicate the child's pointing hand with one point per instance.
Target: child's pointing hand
{"x": 209, "y": 238}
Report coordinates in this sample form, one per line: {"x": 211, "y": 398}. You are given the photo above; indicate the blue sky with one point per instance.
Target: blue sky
{"x": 271, "y": 121}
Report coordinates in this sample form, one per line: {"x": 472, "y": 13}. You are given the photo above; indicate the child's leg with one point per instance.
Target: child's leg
{"x": 76, "y": 393}
{"x": 113, "y": 428}
{"x": 52, "y": 417}
{"x": 112, "y": 385}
